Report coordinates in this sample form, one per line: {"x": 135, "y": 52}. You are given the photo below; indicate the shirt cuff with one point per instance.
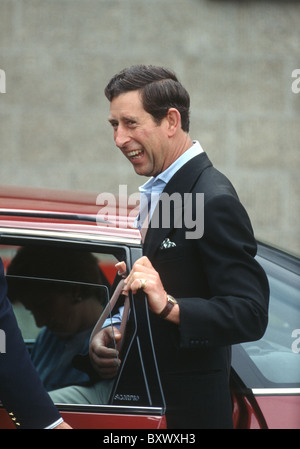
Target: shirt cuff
{"x": 56, "y": 423}
{"x": 115, "y": 320}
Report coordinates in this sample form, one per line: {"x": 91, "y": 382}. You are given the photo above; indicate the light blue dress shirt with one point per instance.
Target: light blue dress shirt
{"x": 152, "y": 189}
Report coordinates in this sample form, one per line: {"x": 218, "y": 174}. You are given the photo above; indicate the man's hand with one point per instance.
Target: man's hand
{"x": 143, "y": 275}
{"x": 103, "y": 354}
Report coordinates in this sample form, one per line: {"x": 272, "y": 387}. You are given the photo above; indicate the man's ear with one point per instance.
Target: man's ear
{"x": 174, "y": 121}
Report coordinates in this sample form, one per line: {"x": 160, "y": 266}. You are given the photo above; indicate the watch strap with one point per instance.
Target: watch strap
{"x": 169, "y": 306}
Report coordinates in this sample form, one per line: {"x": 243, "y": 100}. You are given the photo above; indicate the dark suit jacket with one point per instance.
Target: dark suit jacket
{"x": 21, "y": 390}
{"x": 222, "y": 293}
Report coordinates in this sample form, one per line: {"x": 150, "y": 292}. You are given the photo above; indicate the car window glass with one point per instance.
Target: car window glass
{"x": 277, "y": 354}
{"x": 65, "y": 325}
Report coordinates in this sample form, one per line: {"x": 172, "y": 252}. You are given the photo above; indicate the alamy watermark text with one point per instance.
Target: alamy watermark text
{"x": 2, "y": 82}
{"x": 296, "y": 83}
{"x": 2, "y": 341}
{"x": 177, "y": 210}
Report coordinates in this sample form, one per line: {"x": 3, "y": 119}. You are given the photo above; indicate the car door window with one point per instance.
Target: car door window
{"x": 276, "y": 357}
{"x": 64, "y": 291}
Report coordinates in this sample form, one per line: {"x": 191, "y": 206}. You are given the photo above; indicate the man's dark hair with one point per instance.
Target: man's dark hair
{"x": 159, "y": 87}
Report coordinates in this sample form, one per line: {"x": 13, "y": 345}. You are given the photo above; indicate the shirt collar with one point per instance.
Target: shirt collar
{"x": 158, "y": 182}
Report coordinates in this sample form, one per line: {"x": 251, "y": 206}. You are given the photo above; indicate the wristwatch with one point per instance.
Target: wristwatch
{"x": 169, "y": 306}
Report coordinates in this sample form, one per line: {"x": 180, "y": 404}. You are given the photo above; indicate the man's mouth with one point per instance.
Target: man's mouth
{"x": 136, "y": 154}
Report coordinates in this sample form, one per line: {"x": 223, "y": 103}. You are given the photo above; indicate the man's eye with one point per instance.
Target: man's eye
{"x": 114, "y": 124}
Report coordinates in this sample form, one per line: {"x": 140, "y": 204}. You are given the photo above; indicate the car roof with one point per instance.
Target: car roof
{"x": 30, "y": 208}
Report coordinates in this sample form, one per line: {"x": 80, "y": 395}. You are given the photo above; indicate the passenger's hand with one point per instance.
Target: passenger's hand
{"x": 122, "y": 269}
{"x": 103, "y": 354}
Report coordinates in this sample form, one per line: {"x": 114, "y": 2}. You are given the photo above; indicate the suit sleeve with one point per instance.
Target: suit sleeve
{"x": 21, "y": 390}
{"x": 237, "y": 308}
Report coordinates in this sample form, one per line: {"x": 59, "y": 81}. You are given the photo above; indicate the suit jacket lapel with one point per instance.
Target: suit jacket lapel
{"x": 182, "y": 182}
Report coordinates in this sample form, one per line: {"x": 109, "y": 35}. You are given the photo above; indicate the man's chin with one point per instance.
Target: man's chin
{"x": 141, "y": 171}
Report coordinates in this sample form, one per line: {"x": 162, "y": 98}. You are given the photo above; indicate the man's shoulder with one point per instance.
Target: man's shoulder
{"x": 214, "y": 183}
{"x": 199, "y": 175}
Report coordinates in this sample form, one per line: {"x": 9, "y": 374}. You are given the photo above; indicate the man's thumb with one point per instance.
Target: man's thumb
{"x": 117, "y": 334}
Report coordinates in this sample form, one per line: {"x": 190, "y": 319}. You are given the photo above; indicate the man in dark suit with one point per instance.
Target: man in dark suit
{"x": 21, "y": 391}
{"x": 205, "y": 289}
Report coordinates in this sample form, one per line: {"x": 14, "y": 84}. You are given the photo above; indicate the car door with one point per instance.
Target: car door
{"x": 134, "y": 398}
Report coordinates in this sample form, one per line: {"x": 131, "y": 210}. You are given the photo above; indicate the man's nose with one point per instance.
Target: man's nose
{"x": 121, "y": 137}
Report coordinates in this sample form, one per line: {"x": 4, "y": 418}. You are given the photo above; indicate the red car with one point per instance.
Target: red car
{"x": 265, "y": 379}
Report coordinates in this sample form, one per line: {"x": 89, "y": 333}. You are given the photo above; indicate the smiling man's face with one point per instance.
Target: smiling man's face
{"x": 138, "y": 136}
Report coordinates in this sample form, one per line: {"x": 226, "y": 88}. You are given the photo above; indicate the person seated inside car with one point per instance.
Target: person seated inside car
{"x": 66, "y": 311}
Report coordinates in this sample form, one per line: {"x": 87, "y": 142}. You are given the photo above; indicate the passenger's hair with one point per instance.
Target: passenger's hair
{"x": 159, "y": 87}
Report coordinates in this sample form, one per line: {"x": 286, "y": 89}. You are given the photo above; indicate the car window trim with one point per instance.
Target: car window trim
{"x": 275, "y": 391}
{"x": 111, "y": 408}
{"x": 118, "y": 249}
{"x": 53, "y": 215}
{"x": 61, "y": 235}
{"x": 57, "y": 281}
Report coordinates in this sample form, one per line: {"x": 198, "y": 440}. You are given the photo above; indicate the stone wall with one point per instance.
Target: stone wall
{"x": 236, "y": 58}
